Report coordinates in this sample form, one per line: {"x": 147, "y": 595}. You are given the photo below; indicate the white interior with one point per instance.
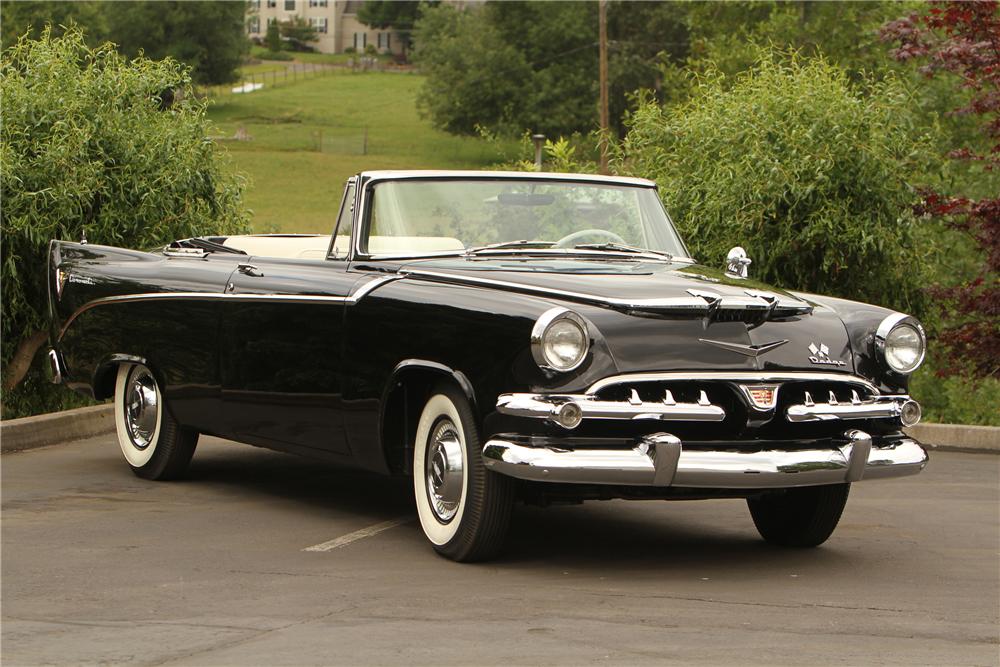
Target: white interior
{"x": 315, "y": 247}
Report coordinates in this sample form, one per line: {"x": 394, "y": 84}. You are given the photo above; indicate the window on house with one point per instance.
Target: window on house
{"x": 254, "y": 24}
{"x": 317, "y": 3}
{"x": 272, "y": 19}
{"x": 271, "y": 4}
{"x": 319, "y": 23}
{"x": 289, "y": 5}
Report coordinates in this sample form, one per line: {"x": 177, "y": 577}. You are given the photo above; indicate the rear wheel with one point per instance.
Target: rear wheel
{"x": 799, "y": 517}
{"x": 464, "y": 509}
{"x": 155, "y": 446}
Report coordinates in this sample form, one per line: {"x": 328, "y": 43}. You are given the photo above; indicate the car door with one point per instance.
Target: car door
{"x": 281, "y": 341}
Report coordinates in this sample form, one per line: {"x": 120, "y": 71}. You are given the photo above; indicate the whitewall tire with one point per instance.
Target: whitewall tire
{"x": 464, "y": 509}
{"x": 155, "y": 446}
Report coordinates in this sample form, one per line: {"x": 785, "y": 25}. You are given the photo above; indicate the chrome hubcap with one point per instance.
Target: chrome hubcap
{"x": 444, "y": 470}
{"x": 140, "y": 407}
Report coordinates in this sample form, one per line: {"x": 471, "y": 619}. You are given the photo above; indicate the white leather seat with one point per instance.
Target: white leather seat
{"x": 315, "y": 246}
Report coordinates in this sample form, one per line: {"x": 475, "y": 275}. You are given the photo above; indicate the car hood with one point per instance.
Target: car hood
{"x": 658, "y": 315}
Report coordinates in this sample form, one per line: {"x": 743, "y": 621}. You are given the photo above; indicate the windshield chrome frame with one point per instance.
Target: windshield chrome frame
{"x": 366, "y": 185}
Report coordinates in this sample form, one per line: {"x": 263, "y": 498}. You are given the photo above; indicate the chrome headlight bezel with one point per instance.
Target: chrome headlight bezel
{"x": 882, "y": 333}
{"x": 543, "y": 326}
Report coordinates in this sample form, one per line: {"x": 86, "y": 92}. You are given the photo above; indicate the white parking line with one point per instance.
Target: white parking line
{"x": 361, "y": 534}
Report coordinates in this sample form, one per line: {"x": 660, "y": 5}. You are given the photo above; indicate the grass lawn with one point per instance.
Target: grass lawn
{"x": 309, "y": 136}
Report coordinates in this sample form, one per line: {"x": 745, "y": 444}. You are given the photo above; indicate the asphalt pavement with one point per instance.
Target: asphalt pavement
{"x": 260, "y": 558}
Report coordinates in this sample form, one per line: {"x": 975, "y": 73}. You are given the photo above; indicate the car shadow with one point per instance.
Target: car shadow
{"x": 323, "y": 487}
{"x": 589, "y": 536}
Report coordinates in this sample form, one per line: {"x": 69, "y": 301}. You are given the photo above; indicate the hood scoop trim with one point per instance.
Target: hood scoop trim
{"x": 752, "y": 306}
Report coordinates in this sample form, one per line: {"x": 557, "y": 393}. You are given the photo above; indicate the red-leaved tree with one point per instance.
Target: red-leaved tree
{"x": 964, "y": 38}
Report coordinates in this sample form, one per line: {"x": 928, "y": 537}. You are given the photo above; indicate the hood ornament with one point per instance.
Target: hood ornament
{"x": 737, "y": 263}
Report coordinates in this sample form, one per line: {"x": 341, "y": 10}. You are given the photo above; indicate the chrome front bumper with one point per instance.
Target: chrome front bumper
{"x": 662, "y": 460}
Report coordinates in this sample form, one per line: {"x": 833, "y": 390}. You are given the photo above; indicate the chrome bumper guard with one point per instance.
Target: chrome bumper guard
{"x": 661, "y": 460}
{"x": 548, "y": 406}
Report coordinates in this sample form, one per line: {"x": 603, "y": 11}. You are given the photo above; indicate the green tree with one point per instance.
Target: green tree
{"x": 273, "y": 37}
{"x": 805, "y": 168}
{"x": 399, "y": 15}
{"x": 474, "y": 77}
{"x": 728, "y": 35}
{"x": 298, "y": 33}
{"x": 511, "y": 66}
{"x": 32, "y": 17}
{"x": 93, "y": 142}
{"x": 208, "y": 36}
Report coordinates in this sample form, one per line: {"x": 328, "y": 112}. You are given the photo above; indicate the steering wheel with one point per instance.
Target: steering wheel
{"x": 570, "y": 240}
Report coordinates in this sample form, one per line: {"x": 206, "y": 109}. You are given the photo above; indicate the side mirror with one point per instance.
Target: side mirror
{"x": 737, "y": 263}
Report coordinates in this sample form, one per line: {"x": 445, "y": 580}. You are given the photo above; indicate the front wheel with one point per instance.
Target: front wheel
{"x": 464, "y": 509}
{"x": 154, "y": 444}
{"x": 800, "y": 517}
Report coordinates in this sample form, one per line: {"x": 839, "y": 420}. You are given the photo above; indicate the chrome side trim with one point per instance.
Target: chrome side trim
{"x": 547, "y": 406}
{"x": 882, "y": 407}
{"x": 349, "y": 300}
{"x": 700, "y": 303}
{"x": 370, "y": 286}
{"x": 662, "y": 460}
{"x": 733, "y": 376}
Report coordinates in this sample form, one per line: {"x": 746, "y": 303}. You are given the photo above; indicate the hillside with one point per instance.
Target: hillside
{"x": 307, "y": 137}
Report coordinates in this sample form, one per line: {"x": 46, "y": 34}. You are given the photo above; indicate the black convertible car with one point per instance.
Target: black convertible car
{"x": 495, "y": 336}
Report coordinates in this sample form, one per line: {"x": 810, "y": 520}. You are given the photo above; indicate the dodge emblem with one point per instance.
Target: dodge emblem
{"x": 761, "y": 396}
{"x": 821, "y": 355}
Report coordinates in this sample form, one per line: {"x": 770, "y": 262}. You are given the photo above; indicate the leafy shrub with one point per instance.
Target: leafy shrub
{"x": 804, "y": 168}
{"x": 94, "y": 142}
{"x": 955, "y": 399}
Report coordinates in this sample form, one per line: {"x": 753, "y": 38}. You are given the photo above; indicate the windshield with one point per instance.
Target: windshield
{"x": 423, "y": 216}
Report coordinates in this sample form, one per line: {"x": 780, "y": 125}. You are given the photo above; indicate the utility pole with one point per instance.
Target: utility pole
{"x": 602, "y": 20}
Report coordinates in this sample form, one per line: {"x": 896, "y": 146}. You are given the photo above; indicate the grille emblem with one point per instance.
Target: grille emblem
{"x": 745, "y": 350}
{"x": 762, "y": 397}
{"x": 821, "y": 355}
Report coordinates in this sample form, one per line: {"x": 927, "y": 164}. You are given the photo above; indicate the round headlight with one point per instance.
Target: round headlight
{"x": 902, "y": 343}
{"x": 559, "y": 340}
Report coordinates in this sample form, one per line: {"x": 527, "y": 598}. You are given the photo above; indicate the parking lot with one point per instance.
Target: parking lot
{"x": 101, "y": 567}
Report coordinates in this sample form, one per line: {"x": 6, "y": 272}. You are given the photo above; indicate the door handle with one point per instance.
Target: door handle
{"x": 249, "y": 270}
